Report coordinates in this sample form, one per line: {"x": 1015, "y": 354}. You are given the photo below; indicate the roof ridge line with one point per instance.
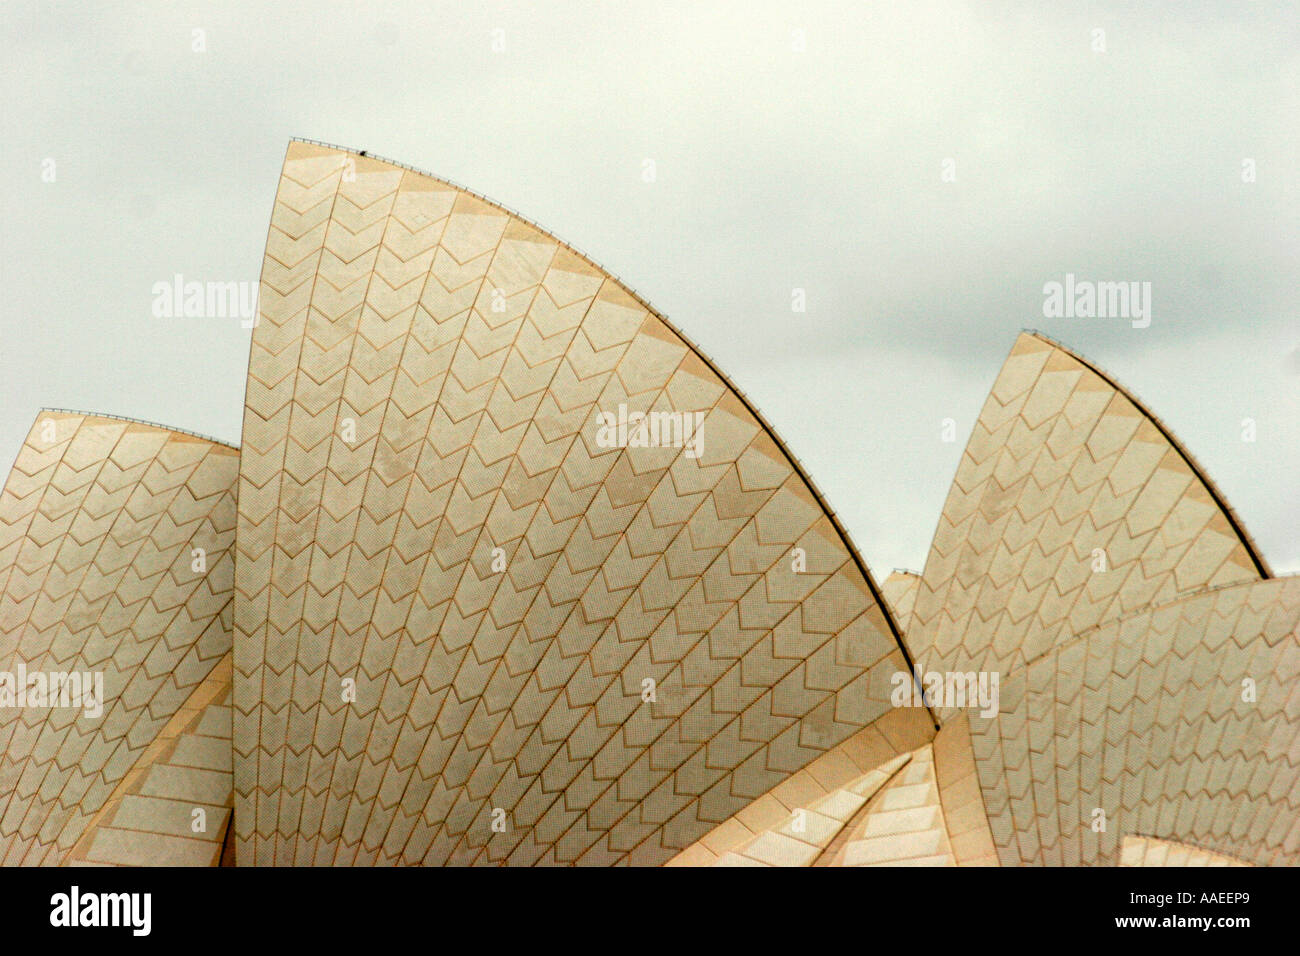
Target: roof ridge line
{"x": 1147, "y": 609}
{"x": 1238, "y": 527}
{"x": 854, "y": 555}
{"x": 137, "y": 421}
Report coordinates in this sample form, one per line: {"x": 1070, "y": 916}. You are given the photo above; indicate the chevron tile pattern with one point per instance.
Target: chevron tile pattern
{"x": 1071, "y": 507}
{"x": 467, "y": 631}
{"x": 100, "y": 525}
{"x": 507, "y": 573}
{"x": 1148, "y": 851}
{"x": 1179, "y": 722}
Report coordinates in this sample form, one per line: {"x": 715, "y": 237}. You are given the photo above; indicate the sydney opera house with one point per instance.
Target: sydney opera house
{"x": 506, "y": 572}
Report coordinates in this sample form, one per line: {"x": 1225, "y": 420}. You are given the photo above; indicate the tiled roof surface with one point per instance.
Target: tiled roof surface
{"x": 801, "y": 837}
{"x": 902, "y": 824}
{"x": 1071, "y": 506}
{"x": 1178, "y": 722}
{"x": 449, "y": 623}
{"x": 850, "y": 764}
{"x": 173, "y": 808}
{"x": 920, "y": 808}
{"x": 99, "y": 520}
{"x": 423, "y": 389}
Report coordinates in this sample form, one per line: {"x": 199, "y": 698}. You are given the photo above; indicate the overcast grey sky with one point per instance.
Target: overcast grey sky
{"x": 795, "y": 146}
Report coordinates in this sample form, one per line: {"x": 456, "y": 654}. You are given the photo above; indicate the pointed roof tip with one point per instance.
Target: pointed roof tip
{"x": 789, "y": 506}
{"x": 1042, "y": 380}
{"x": 1031, "y": 340}
{"x": 303, "y": 147}
{"x": 1029, "y": 343}
{"x": 620, "y": 288}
